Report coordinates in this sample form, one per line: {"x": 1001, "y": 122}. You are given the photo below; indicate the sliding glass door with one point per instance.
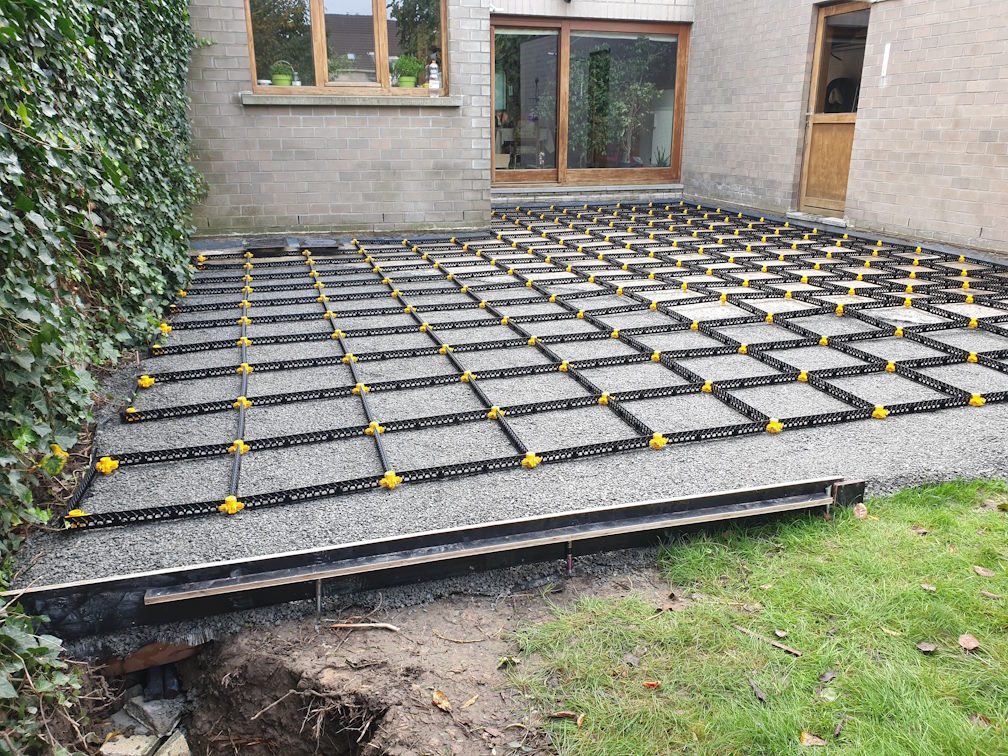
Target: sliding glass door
{"x": 580, "y": 102}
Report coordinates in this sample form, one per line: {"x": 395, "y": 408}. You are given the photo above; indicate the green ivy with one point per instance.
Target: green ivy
{"x": 95, "y": 195}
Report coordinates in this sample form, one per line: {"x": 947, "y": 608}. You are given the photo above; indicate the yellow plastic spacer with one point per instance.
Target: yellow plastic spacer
{"x": 445, "y": 349}
{"x": 528, "y": 284}
{"x": 231, "y": 506}
{"x": 360, "y": 388}
{"x": 424, "y": 327}
{"x": 604, "y": 400}
{"x": 817, "y": 266}
{"x": 467, "y": 376}
{"x": 653, "y": 306}
{"x": 839, "y": 310}
{"x": 145, "y": 381}
{"x": 591, "y": 278}
{"x": 156, "y": 348}
{"x": 131, "y": 414}
{"x": 880, "y": 412}
{"x": 774, "y": 426}
{"x": 972, "y": 358}
{"x": 852, "y": 292}
{"x": 244, "y": 368}
{"x": 973, "y": 323}
{"x": 651, "y": 276}
{"x": 563, "y": 366}
{"x": 238, "y": 446}
{"x": 244, "y": 341}
{"x": 745, "y": 283}
{"x": 164, "y": 328}
{"x": 890, "y": 367}
{"x": 504, "y": 320}
{"x": 723, "y": 299}
{"x": 106, "y": 465}
{"x": 898, "y": 332}
{"x": 318, "y": 285}
{"x": 804, "y": 279}
{"x": 694, "y": 326}
{"x": 743, "y": 349}
{"x": 322, "y": 298}
{"x": 495, "y": 412}
{"x": 908, "y": 302}
{"x": 201, "y": 259}
{"x": 962, "y": 258}
{"x": 530, "y": 460}
{"x": 684, "y": 286}
{"x": 348, "y": 358}
{"x": 966, "y": 284}
{"x": 615, "y": 333}
{"x": 656, "y": 357}
{"x": 909, "y": 289}
{"x": 395, "y": 293}
{"x": 464, "y": 289}
{"x": 373, "y": 428}
{"x": 707, "y": 388}
{"x": 802, "y": 377}
{"x": 977, "y": 400}
{"x": 241, "y": 402}
{"x": 532, "y": 341}
{"x": 788, "y": 295}
{"x": 336, "y": 335}
{"x": 657, "y": 441}
{"x": 482, "y": 305}
{"x": 859, "y": 277}
{"x": 244, "y": 320}
{"x": 969, "y": 299}
{"x": 552, "y": 298}
{"x": 823, "y": 341}
{"x": 769, "y": 318}
{"x": 390, "y": 480}
{"x": 580, "y": 314}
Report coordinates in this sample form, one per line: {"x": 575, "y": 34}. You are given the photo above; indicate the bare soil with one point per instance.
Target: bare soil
{"x": 302, "y": 687}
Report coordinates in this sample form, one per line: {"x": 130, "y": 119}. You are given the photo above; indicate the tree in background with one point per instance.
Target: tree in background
{"x": 281, "y": 30}
{"x": 419, "y": 26}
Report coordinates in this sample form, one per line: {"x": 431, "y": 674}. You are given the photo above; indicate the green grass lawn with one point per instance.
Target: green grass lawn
{"x": 849, "y": 595}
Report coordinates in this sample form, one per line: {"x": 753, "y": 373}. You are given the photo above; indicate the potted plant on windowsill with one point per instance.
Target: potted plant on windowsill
{"x": 406, "y": 68}
{"x": 282, "y": 73}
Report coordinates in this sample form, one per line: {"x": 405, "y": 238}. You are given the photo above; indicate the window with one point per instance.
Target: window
{"x": 347, "y": 46}
{"x": 584, "y": 101}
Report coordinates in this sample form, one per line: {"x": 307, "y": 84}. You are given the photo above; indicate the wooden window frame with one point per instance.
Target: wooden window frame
{"x": 587, "y": 176}
{"x": 381, "y": 87}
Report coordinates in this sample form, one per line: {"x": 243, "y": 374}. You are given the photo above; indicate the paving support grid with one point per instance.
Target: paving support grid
{"x": 499, "y": 310}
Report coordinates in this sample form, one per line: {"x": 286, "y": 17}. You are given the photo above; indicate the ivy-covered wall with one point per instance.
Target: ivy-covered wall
{"x": 95, "y": 195}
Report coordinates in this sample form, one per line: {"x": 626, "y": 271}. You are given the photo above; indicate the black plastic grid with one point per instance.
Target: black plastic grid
{"x": 677, "y": 264}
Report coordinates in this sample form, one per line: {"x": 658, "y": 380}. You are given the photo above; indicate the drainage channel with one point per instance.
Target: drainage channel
{"x": 100, "y": 606}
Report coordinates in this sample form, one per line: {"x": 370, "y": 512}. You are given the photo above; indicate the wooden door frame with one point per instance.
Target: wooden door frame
{"x": 815, "y": 86}
{"x": 585, "y": 176}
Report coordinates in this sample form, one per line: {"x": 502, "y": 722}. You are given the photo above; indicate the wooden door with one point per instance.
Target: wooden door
{"x": 832, "y": 108}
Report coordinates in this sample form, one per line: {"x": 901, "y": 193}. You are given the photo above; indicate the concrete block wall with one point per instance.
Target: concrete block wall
{"x": 325, "y": 167}
{"x": 745, "y": 101}
{"x": 930, "y": 150}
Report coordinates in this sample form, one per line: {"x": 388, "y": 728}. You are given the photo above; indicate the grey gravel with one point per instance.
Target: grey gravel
{"x": 972, "y": 340}
{"x": 886, "y": 388}
{"x": 789, "y": 400}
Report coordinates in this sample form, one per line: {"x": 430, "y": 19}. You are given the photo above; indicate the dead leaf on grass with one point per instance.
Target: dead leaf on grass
{"x": 577, "y": 718}
{"x": 860, "y": 512}
{"x": 926, "y": 648}
{"x": 780, "y": 633}
{"x": 632, "y": 659}
{"x": 439, "y": 699}
{"x": 894, "y": 633}
{"x": 673, "y": 603}
{"x": 968, "y": 642}
{"x": 979, "y": 719}
{"x": 988, "y": 594}
{"x": 920, "y": 531}
{"x": 828, "y": 675}
{"x": 760, "y": 695}
{"x": 928, "y": 587}
{"x": 754, "y": 607}
{"x": 983, "y": 571}
{"x": 828, "y": 695}
{"x": 839, "y": 726}
{"x": 766, "y": 586}
{"x": 810, "y": 740}
{"x": 652, "y": 684}
{"x": 470, "y": 702}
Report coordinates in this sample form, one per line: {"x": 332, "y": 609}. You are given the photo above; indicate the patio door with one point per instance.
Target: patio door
{"x": 578, "y": 101}
{"x": 833, "y": 101}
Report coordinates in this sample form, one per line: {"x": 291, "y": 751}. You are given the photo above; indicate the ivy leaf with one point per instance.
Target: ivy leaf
{"x": 6, "y": 689}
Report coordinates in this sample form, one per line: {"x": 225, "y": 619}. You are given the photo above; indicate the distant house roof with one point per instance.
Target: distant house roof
{"x": 354, "y": 34}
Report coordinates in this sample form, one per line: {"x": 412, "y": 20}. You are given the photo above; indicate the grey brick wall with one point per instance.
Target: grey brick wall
{"x": 931, "y": 142}
{"x": 930, "y": 154}
{"x": 745, "y": 100}
{"x": 335, "y": 167}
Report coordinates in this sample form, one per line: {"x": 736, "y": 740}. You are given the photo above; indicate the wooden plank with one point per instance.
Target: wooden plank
{"x": 151, "y": 655}
{"x": 679, "y": 119}
{"x": 382, "y": 73}
{"x": 320, "y": 51}
{"x": 563, "y": 94}
{"x": 251, "y": 48}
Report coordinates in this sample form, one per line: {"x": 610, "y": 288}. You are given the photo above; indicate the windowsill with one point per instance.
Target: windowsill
{"x": 344, "y": 100}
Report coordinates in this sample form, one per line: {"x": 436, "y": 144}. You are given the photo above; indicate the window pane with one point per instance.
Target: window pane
{"x": 281, "y": 38}
{"x": 621, "y": 103}
{"x": 842, "y": 60}
{"x": 414, "y": 29}
{"x": 525, "y": 98}
{"x": 350, "y": 41}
